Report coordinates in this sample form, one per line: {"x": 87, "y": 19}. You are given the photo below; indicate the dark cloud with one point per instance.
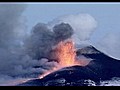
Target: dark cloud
{"x": 42, "y": 40}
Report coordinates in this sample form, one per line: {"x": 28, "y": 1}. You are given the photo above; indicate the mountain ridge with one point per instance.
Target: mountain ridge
{"x": 102, "y": 67}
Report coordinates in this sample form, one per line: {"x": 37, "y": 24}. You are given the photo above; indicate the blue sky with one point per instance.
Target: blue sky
{"x": 106, "y": 14}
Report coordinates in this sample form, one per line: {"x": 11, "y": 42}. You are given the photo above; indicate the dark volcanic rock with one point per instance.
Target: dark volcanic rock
{"x": 102, "y": 67}
{"x": 73, "y": 73}
{"x": 69, "y": 76}
{"x": 88, "y": 50}
{"x": 106, "y": 67}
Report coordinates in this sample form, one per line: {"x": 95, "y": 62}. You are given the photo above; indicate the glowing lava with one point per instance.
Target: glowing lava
{"x": 65, "y": 53}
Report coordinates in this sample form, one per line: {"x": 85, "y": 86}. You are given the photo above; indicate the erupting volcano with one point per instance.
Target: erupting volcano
{"x": 65, "y": 54}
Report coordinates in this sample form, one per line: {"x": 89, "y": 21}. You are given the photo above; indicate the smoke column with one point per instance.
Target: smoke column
{"x": 32, "y": 57}
{"x": 83, "y": 25}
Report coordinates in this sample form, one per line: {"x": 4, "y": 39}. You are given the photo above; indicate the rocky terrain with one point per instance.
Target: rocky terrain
{"x": 101, "y": 67}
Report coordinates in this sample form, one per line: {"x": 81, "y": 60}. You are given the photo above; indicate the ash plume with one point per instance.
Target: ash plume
{"x": 10, "y": 15}
{"x": 62, "y": 31}
{"x": 32, "y": 57}
{"x": 11, "y": 30}
{"x": 83, "y": 25}
{"x": 42, "y": 39}
{"x": 40, "y": 42}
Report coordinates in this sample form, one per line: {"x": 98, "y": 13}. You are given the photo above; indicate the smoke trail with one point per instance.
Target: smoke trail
{"x": 33, "y": 57}
{"x": 42, "y": 39}
{"x": 62, "y": 31}
{"x": 10, "y": 24}
{"x": 10, "y": 15}
{"x": 83, "y": 25}
{"x": 14, "y": 61}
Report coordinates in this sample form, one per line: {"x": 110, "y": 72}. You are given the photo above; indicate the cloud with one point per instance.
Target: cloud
{"x": 83, "y": 25}
{"x": 11, "y": 32}
{"x": 42, "y": 39}
{"x": 29, "y": 60}
{"x": 11, "y": 24}
{"x": 13, "y": 60}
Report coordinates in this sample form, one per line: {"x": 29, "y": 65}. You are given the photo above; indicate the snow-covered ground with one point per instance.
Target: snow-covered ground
{"x": 13, "y": 82}
{"x": 113, "y": 82}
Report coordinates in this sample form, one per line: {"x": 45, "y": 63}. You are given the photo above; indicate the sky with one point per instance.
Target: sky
{"x": 106, "y": 34}
{"x": 106, "y": 14}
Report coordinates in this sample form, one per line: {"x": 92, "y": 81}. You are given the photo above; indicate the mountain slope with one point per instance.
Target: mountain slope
{"x": 106, "y": 67}
{"x": 102, "y": 67}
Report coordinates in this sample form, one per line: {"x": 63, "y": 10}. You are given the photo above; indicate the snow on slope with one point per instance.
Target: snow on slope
{"x": 113, "y": 82}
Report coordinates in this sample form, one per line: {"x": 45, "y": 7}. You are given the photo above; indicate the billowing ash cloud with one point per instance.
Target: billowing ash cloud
{"x": 40, "y": 42}
{"x": 29, "y": 59}
{"x": 32, "y": 56}
{"x": 62, "y": 31}
{"x": 9, "y": 23}
{"x": 13, "y": 60}
{"x": 83, "y": 25}
{"x": 10, "y": 35}
{"x": 42, "y": 39}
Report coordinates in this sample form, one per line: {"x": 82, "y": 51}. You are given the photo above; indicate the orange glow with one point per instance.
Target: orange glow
{"x": 48, "y": 72}
{"x": 43, "y": 75}
{"x": 65, "y": 53}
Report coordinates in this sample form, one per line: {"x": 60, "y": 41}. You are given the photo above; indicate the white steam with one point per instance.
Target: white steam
{"x": 83, "y": 25}
{"x": 14, "y": 61}
{"x": 11, "y": 24}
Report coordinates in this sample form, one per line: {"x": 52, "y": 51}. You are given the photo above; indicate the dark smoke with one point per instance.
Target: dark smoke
{"x": 42, "y": 39}
{"x": 62, "y": 31}
{"x": 17, "y": 60}
{"x": 40, "y": 42}
{"x": 33, "y": 55}
{"x": 10, "y": 21}
{"x": 11, "y": 30}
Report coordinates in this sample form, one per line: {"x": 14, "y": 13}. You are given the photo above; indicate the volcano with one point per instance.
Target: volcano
{"x": 101, "y": 67}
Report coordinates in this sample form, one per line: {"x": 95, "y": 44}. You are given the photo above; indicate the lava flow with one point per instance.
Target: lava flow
{"x": 65, "y": 53}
